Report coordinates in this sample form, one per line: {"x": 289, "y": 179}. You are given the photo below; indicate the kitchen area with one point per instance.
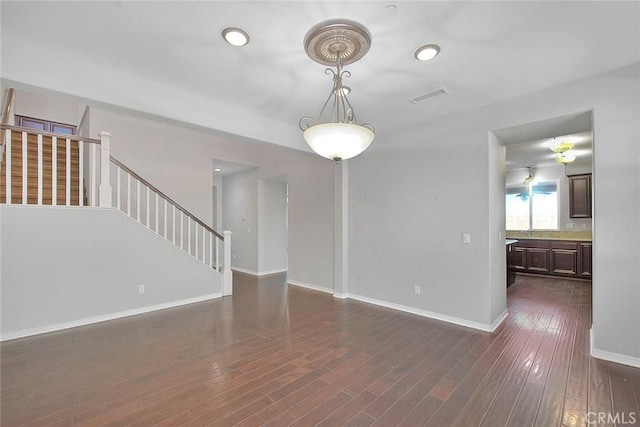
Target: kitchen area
{"x": 549, "y": 199}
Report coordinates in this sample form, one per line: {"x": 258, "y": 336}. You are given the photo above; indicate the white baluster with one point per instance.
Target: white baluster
{"x": 80, "y": 173}
{"x": 165, "y": 218}
{"x": 93, "y": 175}
{"x": 189, "y": 235}
{"x": 181, "y": 230}
{"x": 118, "y": 187}
{"x": 128, "y": 193}
{"x": 157, "y": 209}
{"x": 105, "y": 161}
{"x": 67, "y": 189}
{"x": 7, "y": 172}
{"x": 173, "y": 224}
{"x": 54, "y": 171}
{"x": 218, "y": 255}
{"x": 138, "y": 199}
{"x": 25, "y": 162}
{"x": 211, "y": 237}
{"x": 195, "y": 232}
{"x": 40, "y": 190}
{"x": 148, "y": 205}
{"x": 204, "y": 247}
{"x": 227, "y": 285}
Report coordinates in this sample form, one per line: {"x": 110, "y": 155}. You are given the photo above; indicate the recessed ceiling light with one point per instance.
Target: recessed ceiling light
{"x": 427, "y": 52}
{"x": 235, "y": 36}
{"x": 217, "y": 170}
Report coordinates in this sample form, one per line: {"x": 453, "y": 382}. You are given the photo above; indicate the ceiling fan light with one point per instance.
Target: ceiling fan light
{"x": 427, "y": 52}
{"x": 235, "y": 36}
{"x": 338, "y": 141}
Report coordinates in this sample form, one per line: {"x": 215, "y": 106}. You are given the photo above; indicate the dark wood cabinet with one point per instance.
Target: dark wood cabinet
{"x": 580, "y": 196}
{"x": 519, "y": 257}
{"x": 564, "y": 258}
{"x": 511, "y": 273}
{"x": 585, "y": 259}
{"x": 552, "y": 257}
{"x": 538, "y": 260}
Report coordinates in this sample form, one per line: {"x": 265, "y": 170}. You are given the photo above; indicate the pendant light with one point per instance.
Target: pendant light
{"x": 335, "y": 133}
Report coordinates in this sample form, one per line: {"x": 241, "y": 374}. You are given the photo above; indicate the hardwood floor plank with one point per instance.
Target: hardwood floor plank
{"x": 278, "y": 355}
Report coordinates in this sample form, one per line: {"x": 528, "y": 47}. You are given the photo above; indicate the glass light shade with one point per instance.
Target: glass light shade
{"x": 566, "y": 157}
{"x": 560, "y": 147}
{"x": 338, "y": 141}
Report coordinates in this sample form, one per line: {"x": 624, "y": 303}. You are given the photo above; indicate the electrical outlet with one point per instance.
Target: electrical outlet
{"x": 416, "y": 289}
{"x": 141, "y": 289}
{"x": 466, "y": 238}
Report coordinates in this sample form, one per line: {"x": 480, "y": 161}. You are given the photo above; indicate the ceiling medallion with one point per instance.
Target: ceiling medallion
{"x": 324, "y": 41}
{"x": 335, "y": 133}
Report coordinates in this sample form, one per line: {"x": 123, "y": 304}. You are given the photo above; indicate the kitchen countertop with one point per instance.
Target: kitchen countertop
{"x": 511, "y": 241}
{"x": 571, "y": 235}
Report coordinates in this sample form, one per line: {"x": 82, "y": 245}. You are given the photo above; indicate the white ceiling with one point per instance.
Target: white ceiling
{"x": 490, "y": 51}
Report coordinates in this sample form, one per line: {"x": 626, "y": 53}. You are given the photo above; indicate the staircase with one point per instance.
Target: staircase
{"x": 54, "y": 181}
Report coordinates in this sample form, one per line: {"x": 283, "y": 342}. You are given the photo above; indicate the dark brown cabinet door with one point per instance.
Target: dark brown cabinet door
{"x": 564, "y": 258}
{"x": 585, "y": 260}
{"x": 519, "y": 258}
{"x": 538, "y": 260}
{"x": 580, "y": 196}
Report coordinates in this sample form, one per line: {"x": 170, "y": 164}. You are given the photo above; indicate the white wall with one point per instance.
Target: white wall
{"x": 272, "y": 226}
{"x": 415, "y": 191}
{"x": 60, "y": 109}
{"x": 63, "y": 267}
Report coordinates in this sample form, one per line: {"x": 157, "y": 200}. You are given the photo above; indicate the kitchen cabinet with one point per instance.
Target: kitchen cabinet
{"x": 511, "y": 273}
{"x": 564, "y": 258}
{"x": 552, "y": 257}
{"x": 580, "y": 196}
{"x": 585, "y": 259}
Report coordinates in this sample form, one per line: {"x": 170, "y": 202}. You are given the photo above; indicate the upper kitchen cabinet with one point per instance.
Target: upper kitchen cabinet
{"x": 580, "y": 196}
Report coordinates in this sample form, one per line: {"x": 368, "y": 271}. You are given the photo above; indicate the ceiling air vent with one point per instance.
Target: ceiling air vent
{"x": 427, "y": 96}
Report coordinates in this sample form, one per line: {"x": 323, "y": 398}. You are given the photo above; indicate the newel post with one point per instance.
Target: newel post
{"x": 105, "y": 162}
{"x": 227, "y": 275}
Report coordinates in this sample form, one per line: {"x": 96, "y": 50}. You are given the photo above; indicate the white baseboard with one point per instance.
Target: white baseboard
{"x": 494, "y": 325}
{"x": 437, "y": 316}
{"x": 610, "y": 356}
{"x": 258, "y": 273}
{"x": 103, "y": 318}
{"x": 310, "y": 286}
{"x": 340, "y": 296}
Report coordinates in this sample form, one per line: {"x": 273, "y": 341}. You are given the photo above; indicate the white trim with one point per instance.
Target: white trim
{"x": 611, "y": 356}
{"x": 256, "y": 273}
{"x": 494, "y": 325}
{"x": 443, "y": 317}
{"x": 340, "y": 296}
{"x": 310, "y": 286}
{"x": 105, "y": 317}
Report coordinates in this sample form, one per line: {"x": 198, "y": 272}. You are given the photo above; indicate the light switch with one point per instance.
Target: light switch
{"x": 466, "y": 238}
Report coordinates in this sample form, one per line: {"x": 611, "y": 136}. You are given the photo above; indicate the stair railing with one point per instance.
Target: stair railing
{"x": 142, "y": 201}
{"x": 7, "y": 105}
{"x": 123, "y": 189}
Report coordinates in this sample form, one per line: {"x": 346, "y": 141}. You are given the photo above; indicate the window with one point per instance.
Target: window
{"x": 45, "y": 125}
{"x": 533, "y": 207}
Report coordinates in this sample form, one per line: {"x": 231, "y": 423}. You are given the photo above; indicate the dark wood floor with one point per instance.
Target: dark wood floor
{"x": 272, "y": 355}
